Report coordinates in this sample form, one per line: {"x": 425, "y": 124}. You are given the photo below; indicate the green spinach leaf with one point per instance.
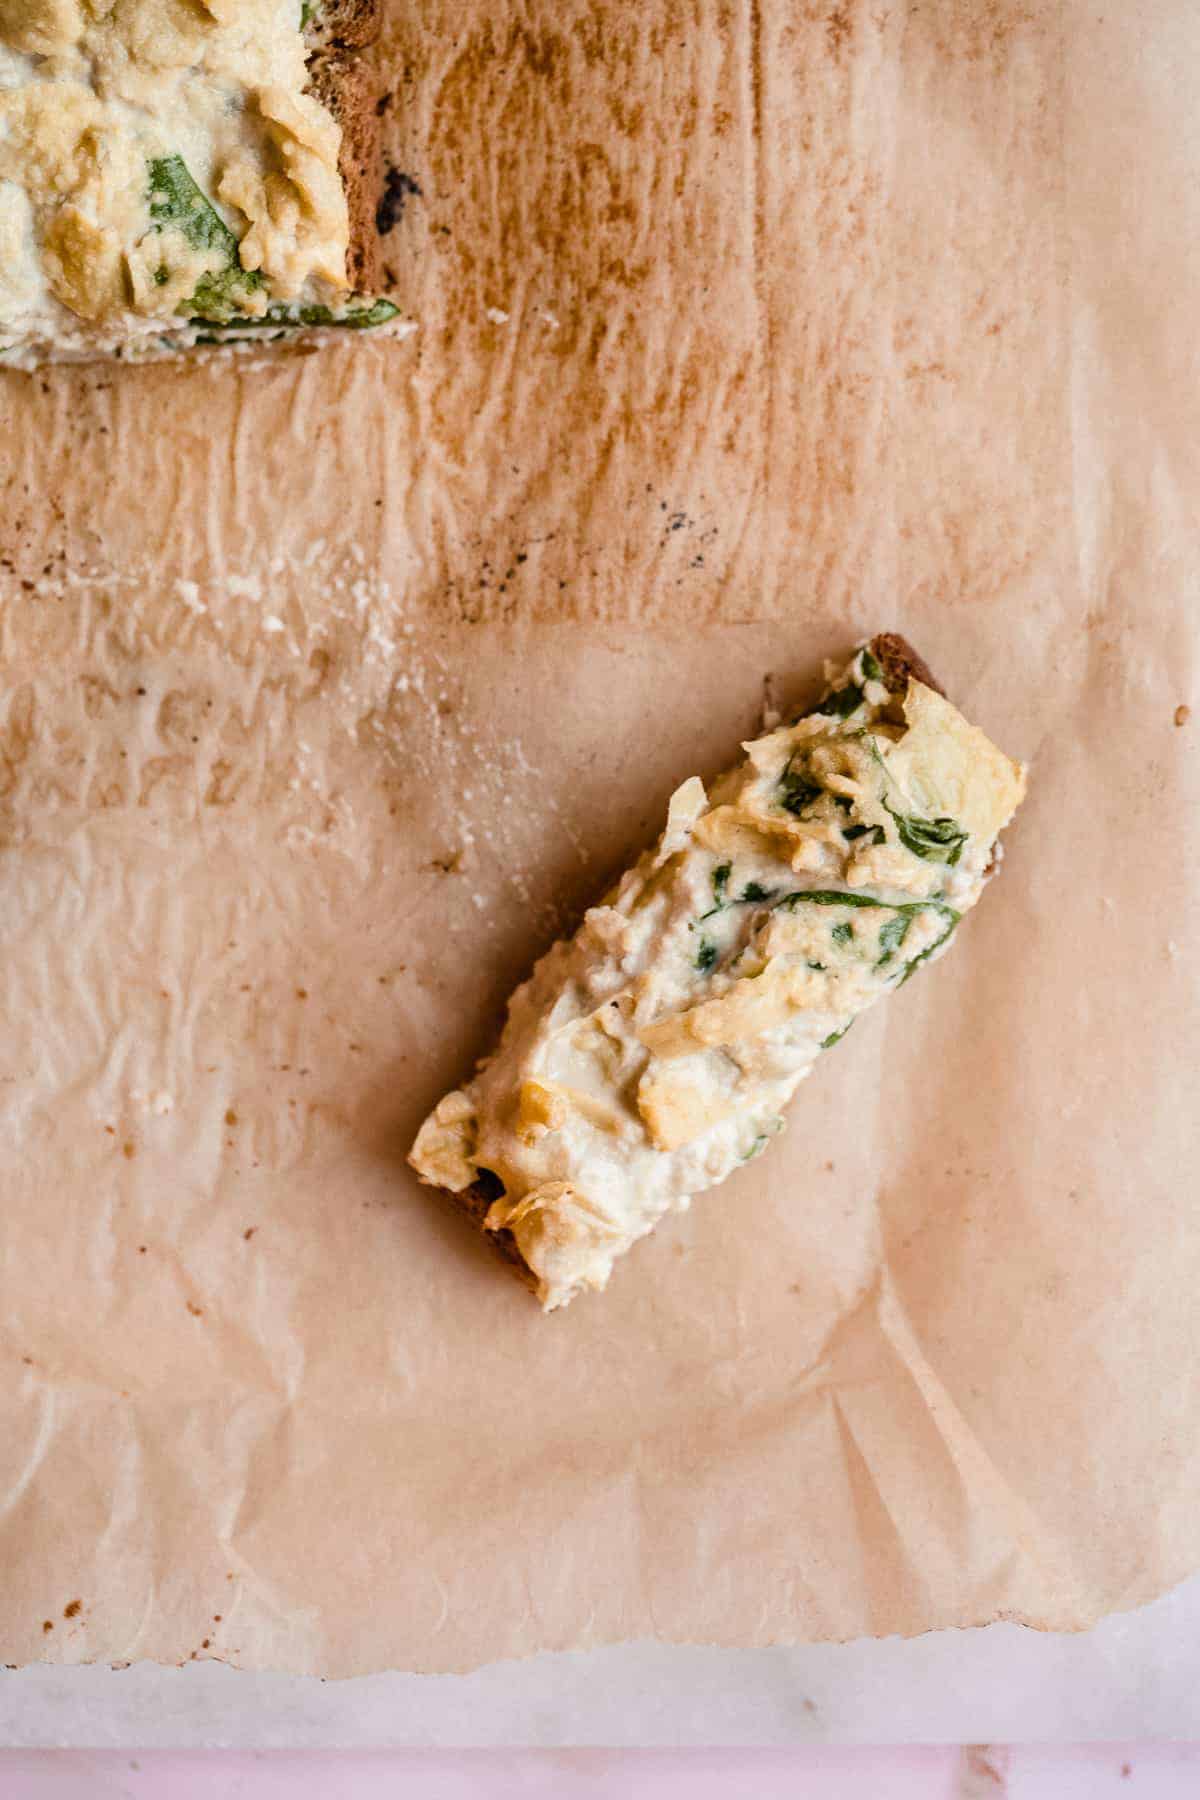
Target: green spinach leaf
{"x": 177, "y": 202}
{"x": 218, "y": 296}
{"x": 845, "y": 701}
{"x": 720, "y": 887}
{"x": 933, "y": 840}
{"x": 796, "y": 791}
{"x": 829, "y": 897}
{"x": 291, "y": 318}
{"x": 892, "y": 934}
{"x": 952, "y": 919}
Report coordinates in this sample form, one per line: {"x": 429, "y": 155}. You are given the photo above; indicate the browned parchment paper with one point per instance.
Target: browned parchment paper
{"x": 334, "y": 686}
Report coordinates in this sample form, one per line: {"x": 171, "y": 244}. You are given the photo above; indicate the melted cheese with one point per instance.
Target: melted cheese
{"x": 94, "y": 94}
{"x": 655, "y": 1052}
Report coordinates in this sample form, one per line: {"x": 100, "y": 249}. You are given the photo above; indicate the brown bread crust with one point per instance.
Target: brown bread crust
{"x": 344, "y": 81}
{"x": 474, "y": 1202}
{"x": 901, "y": 664}
{"x": 344, "y": 24}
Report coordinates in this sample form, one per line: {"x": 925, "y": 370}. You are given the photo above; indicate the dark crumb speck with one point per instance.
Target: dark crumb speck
{"x": 398, "y": 189}
{"x": 47, "y": 1624}
{"x": 73, "y": 1610}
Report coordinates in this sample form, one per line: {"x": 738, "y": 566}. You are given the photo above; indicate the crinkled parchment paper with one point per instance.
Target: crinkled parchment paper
{"x": 335, "y": 685}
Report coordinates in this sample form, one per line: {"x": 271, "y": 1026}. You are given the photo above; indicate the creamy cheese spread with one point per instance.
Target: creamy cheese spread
{"x": 656, "y": 1051}
{"x": 162, "y": 171}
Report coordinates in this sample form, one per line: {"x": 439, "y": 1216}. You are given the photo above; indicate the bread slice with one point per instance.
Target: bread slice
{"x": 887, "y": 659}
{"x": 900, "y": 664}
{"x": 213, "y": 259}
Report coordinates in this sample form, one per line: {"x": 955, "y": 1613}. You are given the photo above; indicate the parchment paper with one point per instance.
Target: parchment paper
{"x": 334, "y": 686}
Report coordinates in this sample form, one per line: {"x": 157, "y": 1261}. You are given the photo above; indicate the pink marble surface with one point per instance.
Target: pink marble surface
{"x": 1096, "y": 1772}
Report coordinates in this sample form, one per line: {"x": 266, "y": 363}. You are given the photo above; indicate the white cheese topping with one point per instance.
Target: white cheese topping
{"x": 654, "y": 1052}
{"x": 160, "y": 164}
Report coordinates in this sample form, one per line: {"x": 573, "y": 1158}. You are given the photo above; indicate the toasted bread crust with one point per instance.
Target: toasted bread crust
{"x": 345, "y": 82}
{"x": 344, "y": 24}
{"x": 901, "y": 664}
{"x": 474, "y": 1202}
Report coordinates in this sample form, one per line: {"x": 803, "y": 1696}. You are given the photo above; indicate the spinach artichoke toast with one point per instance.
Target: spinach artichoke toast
{"x": 182, "y": 172}
{"x": 653, "y": 1053}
